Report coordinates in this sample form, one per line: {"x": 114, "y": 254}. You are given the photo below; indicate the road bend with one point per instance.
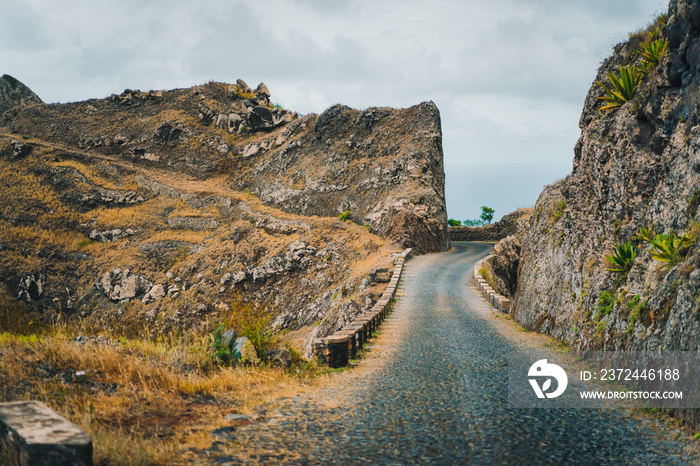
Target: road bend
{"x": 433, "y": 390}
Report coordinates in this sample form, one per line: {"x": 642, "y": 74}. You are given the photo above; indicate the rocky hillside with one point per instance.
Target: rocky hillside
{"x": 383, "y": 166}
{"x": 163, "y": 210}
{"x": 635, "y": 168}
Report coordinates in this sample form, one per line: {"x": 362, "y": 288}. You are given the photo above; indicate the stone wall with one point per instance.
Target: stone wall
{"x": 337, "y": 349}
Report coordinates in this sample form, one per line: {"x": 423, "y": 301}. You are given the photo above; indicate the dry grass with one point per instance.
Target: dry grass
{"x": 143, "y": 402}
{"x": 182, "y": 209}
{"x": 125, "y": 182}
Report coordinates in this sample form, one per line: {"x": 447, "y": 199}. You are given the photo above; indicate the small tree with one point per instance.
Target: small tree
{"x": 453, "y": 223}
{"x": 487, "y": 214}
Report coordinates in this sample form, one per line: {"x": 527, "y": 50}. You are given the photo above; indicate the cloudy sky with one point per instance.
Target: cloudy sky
{"x": 509, "y": 76}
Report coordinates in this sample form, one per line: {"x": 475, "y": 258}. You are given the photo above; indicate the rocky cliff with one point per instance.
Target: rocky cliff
{"x": 163, "y": 210}
{"x": 635, "y": 167}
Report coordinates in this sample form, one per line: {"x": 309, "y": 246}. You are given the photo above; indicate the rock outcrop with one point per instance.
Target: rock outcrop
{"x": 169, "y": 211}
{"x": 382, "y": 166}
{"x": 15, "y": 94}
{"x": 634, "y": 167}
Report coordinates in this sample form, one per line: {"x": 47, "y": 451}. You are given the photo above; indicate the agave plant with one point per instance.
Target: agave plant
{"x": 623, "y": 87}
{"x": 671, "y": 249}
{"x": 645, "y": 235}
{"x": 622, "y": 257}
{"x": 652, "y": 52}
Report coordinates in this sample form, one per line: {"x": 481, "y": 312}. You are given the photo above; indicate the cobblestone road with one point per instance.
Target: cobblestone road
{"x": 433, "y": 390}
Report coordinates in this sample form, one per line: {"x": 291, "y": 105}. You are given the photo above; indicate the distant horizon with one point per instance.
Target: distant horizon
{"x": 509, "y": 77}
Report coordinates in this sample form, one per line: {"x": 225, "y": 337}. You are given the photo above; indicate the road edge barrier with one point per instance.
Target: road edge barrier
{"x": 32, "y": 434}
{"x": 337, "y": 349}
{"x": 498, "y": 301}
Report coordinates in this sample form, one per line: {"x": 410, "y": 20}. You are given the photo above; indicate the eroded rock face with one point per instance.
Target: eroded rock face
{"x": 31, "y": 287}
{"x": 13, "y": 93}
{"x": 383, "y": 166}
{"x": 502, "y": 266}
{"x": 634, "y": 166}
{"x": 121, "y": 285}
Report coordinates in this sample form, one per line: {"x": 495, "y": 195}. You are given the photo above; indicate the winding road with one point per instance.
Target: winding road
{"x": 433, "y": 390}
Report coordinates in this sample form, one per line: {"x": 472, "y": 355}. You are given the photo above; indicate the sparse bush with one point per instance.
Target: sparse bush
{"x": 652, "y": 51}
{"x": 624, "y": 86}
{"x": 344, "y": 216}
{"x": 560, "y": 211}
{"x": 636, "y": 309}
{"x": 606, "y": 301}
{"x": 220, "y": 350}
{"x": 254, "y": 324}
{"x": 671, "y": 249}
{"x": 244, "y": 95}
{"x": 622, "y": 258}
{"x": 645, "y": 235}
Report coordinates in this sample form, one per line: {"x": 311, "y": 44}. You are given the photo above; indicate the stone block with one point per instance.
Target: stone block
{"x": 505, "y": 304}
{"x": 31, "y": 433}
{"x": 321, "y": 351}
{"x": 338, "y": 350}
{"x": 352, "y": 335}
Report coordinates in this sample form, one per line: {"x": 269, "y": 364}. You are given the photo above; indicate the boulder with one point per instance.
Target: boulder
{"x": 260, "y": 118}
{"x": 279, "y": 357}
{"x": 243, "y": 348}
{"x": 262, "y": 90}
{"x": 234, "y": 121}
{"x": 157, "y": 292}
{"x": 32, "y": 433}
{"x": 243, "y": 87}
{"x": 229, "y": 339}
{"x": 20, "y": 150}
{"x": 169, "y": 132}
{"x": 31, "y": 287}
{"x": 120, "y": 285}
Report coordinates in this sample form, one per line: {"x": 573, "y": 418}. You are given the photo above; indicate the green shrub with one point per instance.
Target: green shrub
{"x": 344, "y": 215}
{"x": 671, "y": 249}
{"x": 606, "y": 301}
{"x": 622, "y": 258}
{"x": 254, "y": 324}
{"x": 652, "y": 51}
{"x": 645, "y": 235}
{"x": 453, "y": 223}
{"x": 220, "y": 351}
{"x": 636, "y": 309}
{"x": 560, "y": 211}
{"x": 624, "y": 86}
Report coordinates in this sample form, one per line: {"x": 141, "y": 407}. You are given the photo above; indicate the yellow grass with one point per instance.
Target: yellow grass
{"x": 161, "y": 404}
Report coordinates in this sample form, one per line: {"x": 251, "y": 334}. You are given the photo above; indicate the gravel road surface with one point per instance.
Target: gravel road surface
{"x": 433, "y": 390}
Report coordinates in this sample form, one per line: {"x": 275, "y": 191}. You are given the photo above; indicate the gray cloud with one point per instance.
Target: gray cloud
{"x": 509, "y": 76}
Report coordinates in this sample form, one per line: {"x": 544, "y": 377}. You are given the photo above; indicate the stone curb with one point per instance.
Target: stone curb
{"x": 337, "y": 349}
{"x": 498, "y": 301}
{"x": 32, "y": 434}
